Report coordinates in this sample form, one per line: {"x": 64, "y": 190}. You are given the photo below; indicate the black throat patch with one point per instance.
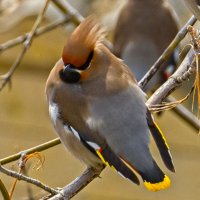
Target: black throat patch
{"x": 72, "y": 74}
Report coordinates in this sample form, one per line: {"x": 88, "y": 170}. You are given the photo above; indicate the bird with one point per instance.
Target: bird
{"x": 143, "y": 30}
{"x": 99, "y": 111}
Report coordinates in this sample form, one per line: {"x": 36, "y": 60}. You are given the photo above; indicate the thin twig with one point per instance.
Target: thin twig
{"x": 77, "y": 18}
{"x": 27, "y": 43}
{"x": 44, "y": 29}
{"x": 72, "y": 17}
{"x": 185, "y": 114}
{"x": 38, "y": 148}
{"x": 168, "y": 51}
{"x": 22, "y": 168}
{"x": 65, "y": 7}
{"x": 28, "y": 179}
{"x": 60, "y": 6}
{"x": 4, "y": 191}
{"x": 169, "y": 105}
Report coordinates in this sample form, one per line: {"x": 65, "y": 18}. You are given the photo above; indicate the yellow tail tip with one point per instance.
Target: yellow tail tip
{"x": 158, "y": 186}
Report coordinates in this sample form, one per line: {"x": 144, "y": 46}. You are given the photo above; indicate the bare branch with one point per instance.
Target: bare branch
{"x": 71, "y": 13}
{"x": 4, "y": 192}
{"x": 6, "y": 77}
{"x": 65, "y": 7}
{"x": 44, "y": 29}
{"x": 28, "y": 179}
{"x": 78, "y": 184}
{"x": 38, "y": 148}
{"x": 180, "y": 35}
{"x": 173, "y": 82}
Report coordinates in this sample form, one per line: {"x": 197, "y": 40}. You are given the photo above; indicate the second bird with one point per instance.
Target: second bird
{"x": 143, "y": 31}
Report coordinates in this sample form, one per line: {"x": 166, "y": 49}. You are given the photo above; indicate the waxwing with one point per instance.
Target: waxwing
{"x": 143, "y": 31}
{"x": 99, "y": 111}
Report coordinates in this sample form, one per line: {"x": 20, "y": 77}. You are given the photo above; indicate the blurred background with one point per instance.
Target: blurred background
{"x": 24, "y": 119}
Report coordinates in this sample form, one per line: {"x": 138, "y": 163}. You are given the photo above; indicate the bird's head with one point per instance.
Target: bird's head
{"x": 79, "y": 50}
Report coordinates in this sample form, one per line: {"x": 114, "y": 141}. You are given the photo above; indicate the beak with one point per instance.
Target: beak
{"x": 70, "y": 74}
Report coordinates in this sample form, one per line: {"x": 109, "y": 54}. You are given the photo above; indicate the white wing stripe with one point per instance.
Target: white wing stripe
{"x": 94, "y": 145}
{"x": 75, "y": 133}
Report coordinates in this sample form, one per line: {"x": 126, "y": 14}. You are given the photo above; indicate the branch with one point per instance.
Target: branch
{"x": 28, "y": 179}
{"x": 4, "y": 192}
{"x": 27, "y": 43}
{"x": 77, "y": 18}
{"x": 174, "y": 81}
{"x": 38, "y": 148}
{"x": 70, "y": 190}
{"x": 78, "y": 184}
{"x": 180, "y": 35}
{"x": 65, "y": 7}
{"x": 44, "y": 29}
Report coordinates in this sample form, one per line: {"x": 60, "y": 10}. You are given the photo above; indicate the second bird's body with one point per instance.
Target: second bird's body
{"x": 143, "y": 31}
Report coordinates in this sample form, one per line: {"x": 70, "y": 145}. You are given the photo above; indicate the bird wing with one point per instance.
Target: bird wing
{"x": 106, "y": 155}
{"x": 161, "y": 142}
{"x": 121, "y": 121}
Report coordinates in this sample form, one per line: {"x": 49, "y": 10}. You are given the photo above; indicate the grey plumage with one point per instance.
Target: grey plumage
{"x": 102, "y": 117}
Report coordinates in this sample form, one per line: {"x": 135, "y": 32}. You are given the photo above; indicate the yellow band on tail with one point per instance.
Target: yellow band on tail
{"x": 158, "y": 186}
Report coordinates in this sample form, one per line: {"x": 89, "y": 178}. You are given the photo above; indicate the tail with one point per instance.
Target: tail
{"x": 160, "y": 142}
{"x": 155, "y": 179}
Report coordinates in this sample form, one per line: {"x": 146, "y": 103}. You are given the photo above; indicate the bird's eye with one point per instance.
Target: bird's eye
{"x": 69, "y": 74}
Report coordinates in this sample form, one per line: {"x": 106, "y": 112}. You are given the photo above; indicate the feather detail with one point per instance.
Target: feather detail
{"x": 161, "y": 142}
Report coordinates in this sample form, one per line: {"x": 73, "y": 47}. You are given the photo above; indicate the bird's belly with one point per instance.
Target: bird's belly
{"x": 71, "y": 140}
{"x": 75, "y": 146}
